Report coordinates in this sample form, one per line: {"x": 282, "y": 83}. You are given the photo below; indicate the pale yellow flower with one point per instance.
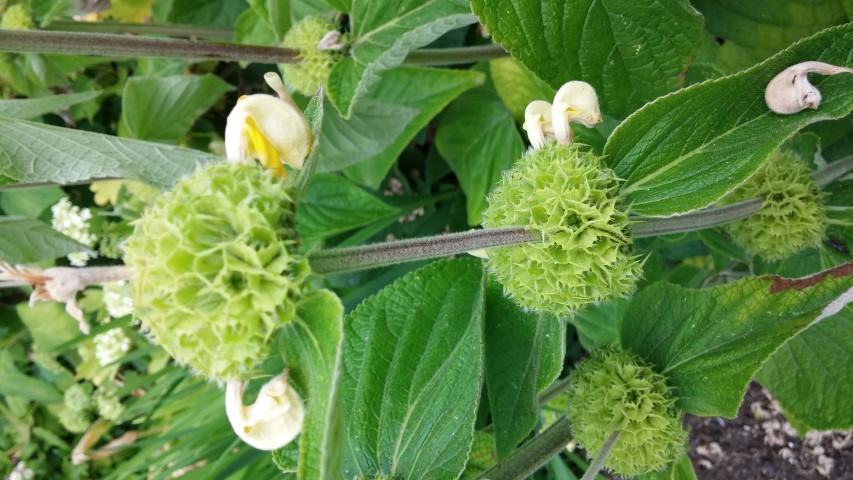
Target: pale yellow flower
{"x": 575, "y": 101}
{"x": 271, "y": 130}
{"x": 275, "y": 418}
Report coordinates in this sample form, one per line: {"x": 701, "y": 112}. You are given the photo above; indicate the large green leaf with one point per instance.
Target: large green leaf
{"x": 742, "y": 34}
{"x": 382, "y": 33}
{"x": 709, "y": 343}
{"x": 387, "y": 119}
{"x": 413, "y": 370}
{"x": 30, "y": 152}
{"x": 517, "y": 86}
{"x": 334, "y": 205}
{"x": 49, "y": 325}
{"x": 29, "y": 202}
{"x": 207, "y": 13}
{"x": 27, "y": 240}
{"x": 596, "y": 324}
{"x": 275, "y": 15}
{"x": 15, "y": 383}
{"x": 479, "y": 140}
{"x": 313, "y": 350}
{"x": 686, "y": 150}
{"x": 811, "y": 376}
{"x": 631, "y": 52}
{"x": 523, "y": 355}
{"x": 163, "y": 109}
{"x": 29, "y": 108}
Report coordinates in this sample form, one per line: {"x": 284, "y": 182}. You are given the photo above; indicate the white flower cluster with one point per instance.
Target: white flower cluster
{"x": 110, "y": 346}
{"x": 73, "y": 222}
{"x": 117, "y": 299}
{"x": 21, "y": 472}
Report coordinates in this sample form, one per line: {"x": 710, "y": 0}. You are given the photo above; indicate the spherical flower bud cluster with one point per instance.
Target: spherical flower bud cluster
{"x": 792, "y": 217}
{"x": 78, "y": 396}
{"x": 585, "y": 255}
{"x": 215, "y": 273}
{"x": 75, "y": 421}
{"x": 613, "y": 390}
{"x": 17, "y": 17}
{"x": 73, "y": 413}
{"x": 73, "y": 222}
{"x": 108, "y": 404}
{"x": 317, "y": 55}
{"x": 110, "y": 346}
{"x": 117, "y": 299}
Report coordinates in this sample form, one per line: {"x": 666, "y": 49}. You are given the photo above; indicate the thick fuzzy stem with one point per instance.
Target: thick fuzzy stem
{"x": 454, "y": 56}
{"x": 533, "y": 454}
{"x": 390, "y": 253}
{"x": 698, "y": 220}
{"x": 110, "y": 45}
{"x": 598, "y": 462}
{"x": 833, "y": 171}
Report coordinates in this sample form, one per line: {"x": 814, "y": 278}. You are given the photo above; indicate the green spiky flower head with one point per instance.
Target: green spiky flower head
{"x": 215, "y": 273}
{"x": 314, "y": 64}
{"x": 792, "y": 217}
{"x": 17, "y": 17}
{"x": 565, "y": 196}
{"x": 613, "y": 390}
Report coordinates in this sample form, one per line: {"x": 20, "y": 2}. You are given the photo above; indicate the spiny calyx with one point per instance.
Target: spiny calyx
{"x": 585, "y": 255}
{"x": 215, "y": 269}
{"x": 613, "y": 390}
{"x": 792, "y": 217}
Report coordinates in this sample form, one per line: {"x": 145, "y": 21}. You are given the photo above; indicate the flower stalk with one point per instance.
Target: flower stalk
{"x": 114, "y": 45}
{"x": 111, "y": 45}
{"x": 338, "y": 260}
{"x": 598, "y": 461}
{"x": 533, "y": 454}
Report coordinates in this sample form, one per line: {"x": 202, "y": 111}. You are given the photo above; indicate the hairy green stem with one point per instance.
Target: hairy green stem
{"x": 454, "y": 56}
{"x": 833, "y": 171}
{"x": 598, "y": 461}
{"x": 110, "y": 45}
{"x": 389, "y": 253}
{"x": 533, "y": 454}
{"x": 698, "y": 220}
{"x": 113, "y": 45}
{"x": 140, "y": 29}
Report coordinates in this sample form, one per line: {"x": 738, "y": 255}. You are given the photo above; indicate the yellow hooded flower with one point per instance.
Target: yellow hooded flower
{"x": 271, "y": 130}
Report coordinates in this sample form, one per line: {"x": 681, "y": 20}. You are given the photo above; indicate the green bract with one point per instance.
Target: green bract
{"x": 214, "y": 276}
{"x": 585, "y": 254}
{"x": 792, "y": 217}
{"x": 314, "y": 64}
{"x": 612, "y": 390}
